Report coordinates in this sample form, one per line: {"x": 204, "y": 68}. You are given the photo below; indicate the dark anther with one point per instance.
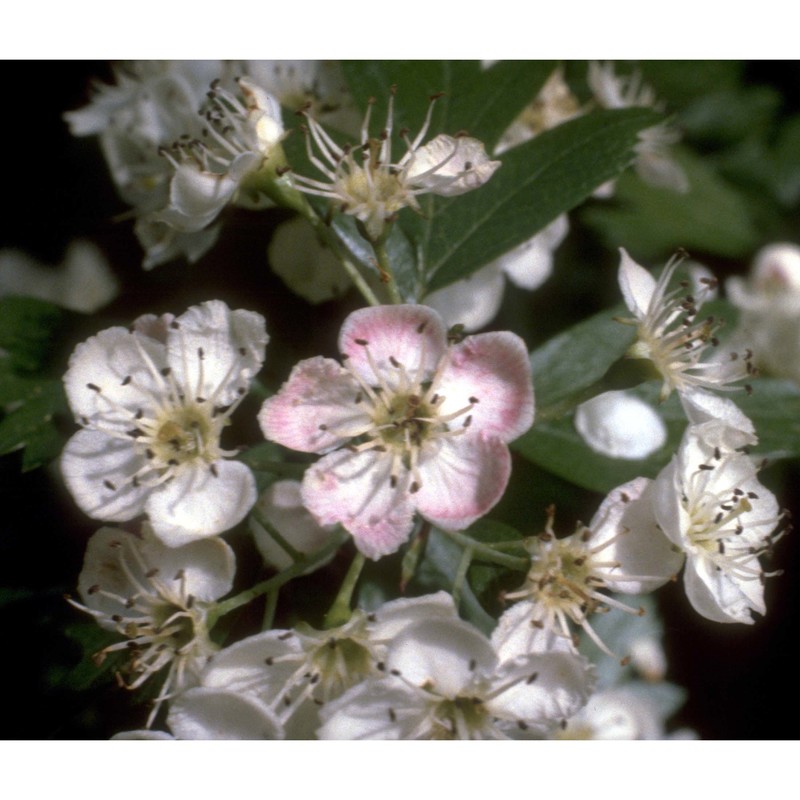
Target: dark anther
{"x": 214, "y": 470}
{"x": 362, "y": 342}
{"x": 94, "y": 387}
{"x": 126, "y": 380}
{"x": 166, "y": 371}
{"x": 110, "y": 486}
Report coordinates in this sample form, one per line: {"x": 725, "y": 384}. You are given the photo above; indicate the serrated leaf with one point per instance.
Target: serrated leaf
{"x": 537, "y": 181}
{"x": 27, "y": 328}
{"x": 712, "y": 217}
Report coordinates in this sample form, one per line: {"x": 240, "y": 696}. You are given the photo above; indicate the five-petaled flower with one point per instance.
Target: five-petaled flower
{"x": 409, "y": 423}
{"x": 373, "y": 188}
{"x": 153, "y": 402}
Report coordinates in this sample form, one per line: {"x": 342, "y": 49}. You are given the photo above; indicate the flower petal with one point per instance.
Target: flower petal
{"x": 495, "y": 369}
{"x": 473, "y": 302}
{"x": 355, "y": 489}
{"x": 461, "y": 479}
{"x": 414, "y": 336}
{"x": 637, "y": 285}
{"x": 316, "y": 410}
{"x": 450, "y": 166}
{"x": 530, "y": 264}
{"x": 715, "y": 596}
{"x": 98, "y": 470}
{"x": 199, "y": 502}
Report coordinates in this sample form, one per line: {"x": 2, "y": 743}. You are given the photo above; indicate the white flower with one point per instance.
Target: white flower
{"x": 621, "y": 550}
{"x": 365, "y": 183}
{"x": 158, "y": 598}
{"x": 475, "y": 301}
{"x": 84, "y": 282}
{"x": 445, "y": 681}
{"x": 414, "y": 423}
{"x": 281, "y": 507}
{"x": 620, "y": 425}
{"x": 153, "y": 402}
{"x": 240, "y": 137}
{"x": 296, "y": 672}
{"x": 653, "y": 164}
{"x": 670, "y": 335}
{"x": 710, "y": 504}
{"x": 769, "y": 300}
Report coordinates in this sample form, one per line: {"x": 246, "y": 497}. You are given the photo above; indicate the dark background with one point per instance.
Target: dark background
{"x": 741, "y": 680}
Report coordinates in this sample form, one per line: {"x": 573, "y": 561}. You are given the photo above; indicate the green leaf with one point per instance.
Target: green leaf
{"x": 29, "y": 424}
{"x": 569, "y": 363}
{"x": 27, "y": 328}
{"x": 538, "y": 180}
{"x": 712, "y": 217}
{"x": 481, "y": 102}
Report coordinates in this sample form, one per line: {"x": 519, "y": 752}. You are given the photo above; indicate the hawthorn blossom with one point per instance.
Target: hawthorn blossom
{"x": 84, "y": 282}
{"x": 159, "y": 599}
{"x": 769, "y": 300}
{"x": 242, "y": 135}
{"x": 153, "y": 402}
{"x": 620, "y": 425}
{"x": 621, "y": 550}
{"x": 373, "y": 188}
{"x": 653, "y": 164}
{"x": 444, "y": 680}
{"x": 409, "y": 423}
{"x": 710, "y": 505}
{"x": 669, "y": 334}
{"x": 296, "y": 672}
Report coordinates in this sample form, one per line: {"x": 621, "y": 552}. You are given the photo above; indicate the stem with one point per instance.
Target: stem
{"x": 290, "y": 551}
{"x": 461, "y": 573}
{"x": 338, "y": 538}
{"x": 488, "y": 553}
{"x": 385, "y": 268}
{"x": 340, "y": 611}
{"x": 269, "y": 609}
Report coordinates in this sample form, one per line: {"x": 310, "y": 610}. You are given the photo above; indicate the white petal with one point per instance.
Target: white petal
{"x": 202, "y": 713}
{"x": 394, "y": 616}
{"x": 214, "y": 351}
{"x": 515, "y": 635}
{"x": 444, "y": 655}
{"x": 716, "y": 596}
{"x": 98, "y": 470}
{"x": 355, "y": 490}
{"x": 736, "y": 430}
{"x": 198, "y": 503}
{"x": 530, "y": 264}
{"x": 450, "y": 166}
{"x": 473, "y": 302}
{"x": 461, "y": 479}
{"x": 645, "y": 556}
{"x": 620, "y": 425}
{"x": 637, "y": 285}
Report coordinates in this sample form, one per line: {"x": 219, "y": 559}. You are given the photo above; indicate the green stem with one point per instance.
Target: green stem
{"x": 338, "y": 538}
{"x": 488, "y": 553}
{"x": 295, "y": 555}
{"x": 385, "y": 268}
{"x": 269, "y": 609}
{"x": 461, "y": 573}
{"x": 340, "y": 611}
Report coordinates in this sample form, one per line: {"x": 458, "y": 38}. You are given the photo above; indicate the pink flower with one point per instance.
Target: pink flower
{"x": 409, "y": 423}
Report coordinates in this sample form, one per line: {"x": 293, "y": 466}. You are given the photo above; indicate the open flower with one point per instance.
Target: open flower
{"x": 373, "y": 188}
{"x": 409, "y": 423}
{"x": 445, "y": 681}
{"x": 709, "y": 503}
{"x": 158, "y": 598}
{"x": 153, "y": 402}
{"x": 621, "y": 550}
{"x": 294, "y": 673}
{"x": 670, "y": 335}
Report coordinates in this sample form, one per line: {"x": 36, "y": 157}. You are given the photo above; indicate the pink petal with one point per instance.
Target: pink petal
{"x": 493, "y": 368}
{"x": 411, "y": 335}
{"x": 354, "y": 489}
{"x": 318, "y": 393}
{"x": 462, "y": 481}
